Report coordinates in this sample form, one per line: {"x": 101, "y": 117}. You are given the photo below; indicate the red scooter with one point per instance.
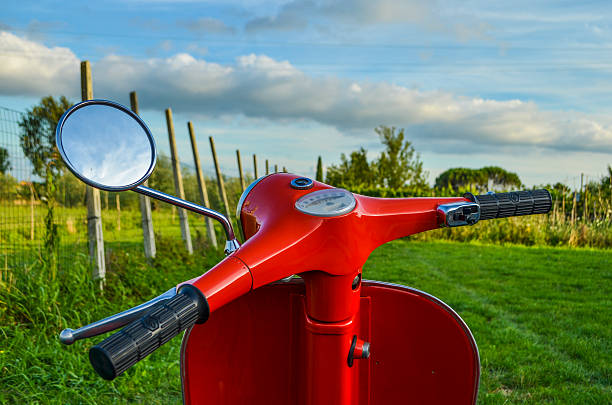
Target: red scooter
{"x": 286, "y": 318}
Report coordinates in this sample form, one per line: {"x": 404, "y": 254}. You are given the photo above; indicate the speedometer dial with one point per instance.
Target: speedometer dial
{"x": 331, "y": 202}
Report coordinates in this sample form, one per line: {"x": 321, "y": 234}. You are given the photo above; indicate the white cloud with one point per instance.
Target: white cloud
{"x": 258, "y": 86}
{"x": 299, "y": 14}
{"x": 29, "y": 68}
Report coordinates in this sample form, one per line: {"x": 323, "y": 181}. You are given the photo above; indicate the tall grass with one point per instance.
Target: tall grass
{"x": 34, "y": 308}
{"x": 538, "y": 230}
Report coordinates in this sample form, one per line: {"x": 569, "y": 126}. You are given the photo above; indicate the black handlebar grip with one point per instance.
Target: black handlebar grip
{"x": 515, "y": 203}
{"x": 140, "y": 338}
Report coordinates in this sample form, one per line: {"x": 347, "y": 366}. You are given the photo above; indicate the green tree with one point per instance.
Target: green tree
{"x": 399, "y": 164}
{"x": 38, "y": 135}
{"x": 319, "y": 176}
{"x": 488, "y": 178}
{"x": 5, "y": 163}
{"x": 352, "y": 172}
{"x": 500, "y": 179}
{"x": 9, "y": 186}
{"x": 37, "y": 141}
{"x": 460, "y": 178}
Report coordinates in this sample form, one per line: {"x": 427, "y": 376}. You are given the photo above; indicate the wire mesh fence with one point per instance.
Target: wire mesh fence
{"x": 23, "y": 210}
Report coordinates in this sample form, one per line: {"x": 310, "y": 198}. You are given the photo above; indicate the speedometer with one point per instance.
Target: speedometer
{"x": 330, "y": 202}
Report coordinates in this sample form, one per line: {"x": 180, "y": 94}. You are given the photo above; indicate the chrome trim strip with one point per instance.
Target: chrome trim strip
{"x": 69, "y": 336}
{"x": 243, "y": 197}
{"x": 184, "y": 341}
{"x": 446, "y": 307}
{"x": 245, "y": 193}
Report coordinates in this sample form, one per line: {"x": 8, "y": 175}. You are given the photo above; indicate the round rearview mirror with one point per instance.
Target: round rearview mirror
{"x": 106, "y": 145}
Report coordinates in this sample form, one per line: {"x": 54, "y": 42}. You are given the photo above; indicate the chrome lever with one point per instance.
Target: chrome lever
{"x": 458, "y": 214}
{"x": 69, "y": 336}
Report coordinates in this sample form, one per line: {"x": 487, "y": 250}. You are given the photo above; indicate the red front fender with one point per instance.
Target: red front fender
{"x": 251, "y": 351}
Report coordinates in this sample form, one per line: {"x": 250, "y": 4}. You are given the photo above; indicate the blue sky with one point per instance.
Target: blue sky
{"x": 524, "y": 85}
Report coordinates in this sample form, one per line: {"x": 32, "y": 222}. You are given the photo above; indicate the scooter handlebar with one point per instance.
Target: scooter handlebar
{"x": 515, "y": 203}
{"x": 120, "y": 351}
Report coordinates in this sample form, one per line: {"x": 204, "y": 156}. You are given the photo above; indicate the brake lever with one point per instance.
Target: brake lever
{"x": 69, "y": 336}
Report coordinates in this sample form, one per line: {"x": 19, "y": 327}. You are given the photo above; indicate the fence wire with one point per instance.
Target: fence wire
{"x": 22, "y": 210}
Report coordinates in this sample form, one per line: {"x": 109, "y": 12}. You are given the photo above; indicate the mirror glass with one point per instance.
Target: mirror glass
{"x": 106, "y": 145}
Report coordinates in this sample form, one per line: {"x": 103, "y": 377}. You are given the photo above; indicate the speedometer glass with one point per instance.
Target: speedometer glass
{"x": 330, "y": 202}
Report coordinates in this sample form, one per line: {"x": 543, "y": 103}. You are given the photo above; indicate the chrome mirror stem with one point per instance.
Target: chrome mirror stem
{"x": 230, "y": 246}
{"x": 69, "y": 336}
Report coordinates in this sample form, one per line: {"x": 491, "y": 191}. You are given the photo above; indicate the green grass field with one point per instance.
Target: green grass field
{"x": 541, "y": 317}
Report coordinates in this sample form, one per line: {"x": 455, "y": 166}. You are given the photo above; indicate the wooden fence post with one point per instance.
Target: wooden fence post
{"x": 581, "y": 195}
{"x": 255, "y": 166}
{"x": 267, "y": 167}
{"x": 118, "y": 203}
{"x": 573, "y": 218}
{"x": 240, "y": 170}
{"x": 602, "y": 207}
{"x": 585, "y": 211}
{"x": 31, "y": 210}
{"x": 178, "y": 183}
{"x": 222, "y": 193}
{"x": 275, "y": 168}
{"x": 148, "y": 236}
{"x": 94, "y": 216}
{"x": 563, "y": 205}
{"x": 212, "y": 237}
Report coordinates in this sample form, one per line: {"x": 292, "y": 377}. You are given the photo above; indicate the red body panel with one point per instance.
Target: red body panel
{"x": 282, "y": 241}
{"x": 328, "y": 253}
{"x": 254, "y": 351}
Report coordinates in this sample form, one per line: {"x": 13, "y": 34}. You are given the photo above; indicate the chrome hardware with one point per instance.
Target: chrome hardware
{"x": 106, "y": 145}
{"x": 302, "y": 183}
{"x": 109, "y": 147}
{"x": 69, "y": 336}
{"x": 230, "y": 246}
{"x": 459, "y": 214}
